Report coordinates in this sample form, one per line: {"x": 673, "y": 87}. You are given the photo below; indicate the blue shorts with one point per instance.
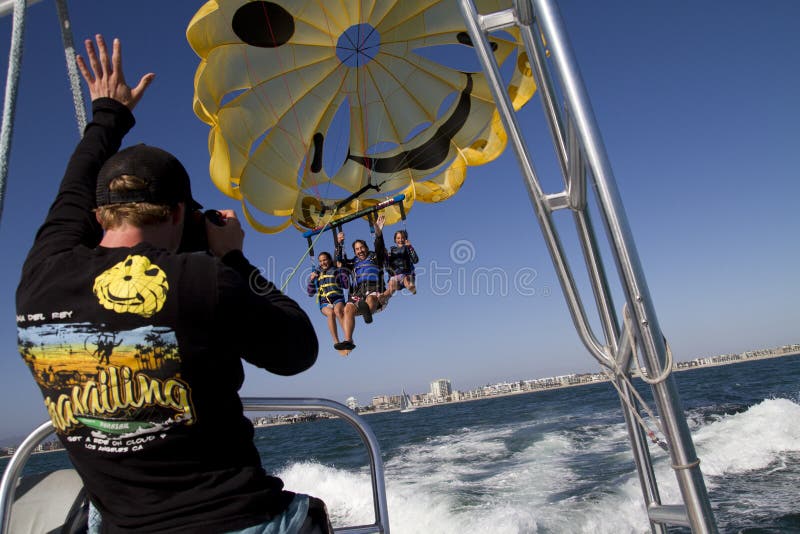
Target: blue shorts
{"x": 289, "y": 521}
{"x": 326, "y": 302}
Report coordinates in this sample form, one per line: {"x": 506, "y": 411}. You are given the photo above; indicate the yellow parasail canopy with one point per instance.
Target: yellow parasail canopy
{"x": 312, "y": 101}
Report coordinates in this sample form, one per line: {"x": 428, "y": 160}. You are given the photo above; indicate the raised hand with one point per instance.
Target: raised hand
{"x": 106, "y": 78}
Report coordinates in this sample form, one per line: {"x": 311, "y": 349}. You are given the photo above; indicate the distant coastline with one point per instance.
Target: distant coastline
{"x": 495, "y": 390}
{"x": 554, "y": 383}
{"x": 675, "y": 368}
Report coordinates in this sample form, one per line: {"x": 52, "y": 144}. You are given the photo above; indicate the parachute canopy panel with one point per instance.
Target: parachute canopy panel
{"x": 311, "y": 101}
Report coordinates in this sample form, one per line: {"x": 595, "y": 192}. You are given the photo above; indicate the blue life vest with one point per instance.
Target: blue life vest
{"x": 366, "y": 271}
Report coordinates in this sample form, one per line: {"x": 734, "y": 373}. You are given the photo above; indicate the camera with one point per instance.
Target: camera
{"x": 194, "y": 238}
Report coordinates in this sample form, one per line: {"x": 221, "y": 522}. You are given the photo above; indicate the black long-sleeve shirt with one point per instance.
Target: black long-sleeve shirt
{"x": 137, "y": 351}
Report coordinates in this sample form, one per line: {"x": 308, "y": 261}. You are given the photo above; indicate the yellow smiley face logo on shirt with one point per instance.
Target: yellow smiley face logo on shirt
{"x": 134, "y": 285}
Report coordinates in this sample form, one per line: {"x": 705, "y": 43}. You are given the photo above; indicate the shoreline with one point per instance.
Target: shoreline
{"x": 36, "y": 452}
{"x": 675, "y": 369}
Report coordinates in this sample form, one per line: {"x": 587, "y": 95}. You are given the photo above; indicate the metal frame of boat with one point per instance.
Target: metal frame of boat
{"x": 13, "y": 471}
{"x": 582, "y": 158}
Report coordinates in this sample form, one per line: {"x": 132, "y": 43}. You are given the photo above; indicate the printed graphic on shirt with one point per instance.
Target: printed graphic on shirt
{"x": 134, "y": 285}
{"x": 102, "y": 384}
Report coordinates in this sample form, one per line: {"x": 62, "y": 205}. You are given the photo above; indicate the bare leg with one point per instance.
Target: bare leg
{"x": 372, "y": 302}
{"x": 349, "y": 320}
{"x": 408, "y": 281}
{"x": 338, "y": 311}
{"x": 327, "y": 311}
{"x": 391, "y": 288}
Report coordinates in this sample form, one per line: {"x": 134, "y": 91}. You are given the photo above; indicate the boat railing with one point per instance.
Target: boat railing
{"x": 15, "y": 466}
{"x": 589, "y": 185}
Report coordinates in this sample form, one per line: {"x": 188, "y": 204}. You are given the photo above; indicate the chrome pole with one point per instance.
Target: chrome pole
{"x": 541, "y": 203}
{"x": 367, "y": 436}
{"x": 8, "y": 484}
{"x": 682, "y": 452}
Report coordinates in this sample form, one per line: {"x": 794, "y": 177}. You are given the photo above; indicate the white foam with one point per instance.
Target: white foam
{"x": 470, "y": 481}
{"x": 749, "y": 440}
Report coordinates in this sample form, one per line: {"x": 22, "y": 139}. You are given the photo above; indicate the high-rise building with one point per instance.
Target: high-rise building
{"x": 441, "y": 389}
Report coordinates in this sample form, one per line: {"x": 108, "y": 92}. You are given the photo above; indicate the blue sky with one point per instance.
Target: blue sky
{"x": 698, "y": 108}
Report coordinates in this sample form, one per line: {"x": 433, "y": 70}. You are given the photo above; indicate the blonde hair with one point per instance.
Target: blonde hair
{"x": 133, "y": 213}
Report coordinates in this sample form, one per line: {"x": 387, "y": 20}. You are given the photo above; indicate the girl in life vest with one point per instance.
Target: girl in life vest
{"x": 329, "y": 284}
{"x": 400, "y": 263}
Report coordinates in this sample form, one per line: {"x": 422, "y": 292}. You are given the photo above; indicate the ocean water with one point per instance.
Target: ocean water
{"x": 555, "y": 461}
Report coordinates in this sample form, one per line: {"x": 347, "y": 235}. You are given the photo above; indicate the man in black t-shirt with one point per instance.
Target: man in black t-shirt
{"x": 137, "y": 348}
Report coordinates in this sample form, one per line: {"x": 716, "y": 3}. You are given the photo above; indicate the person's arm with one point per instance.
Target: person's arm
{"x": 340, "y": 257}
{"x": 379, "y": 247}
{"x": 412, "y": 254}
{"x": 380, "y": 250}
{"x": 313, "y": 284}
{"x": 70, "y": 221}
{"x": 271, "y": 329}
{"x": 343, "y": 279}
{"x": 338, "y": 251}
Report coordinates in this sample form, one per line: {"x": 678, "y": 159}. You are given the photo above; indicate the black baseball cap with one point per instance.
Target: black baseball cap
{"x": 167, "y": 179}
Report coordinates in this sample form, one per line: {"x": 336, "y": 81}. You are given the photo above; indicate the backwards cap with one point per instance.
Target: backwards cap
{"x": 166, "y": 178}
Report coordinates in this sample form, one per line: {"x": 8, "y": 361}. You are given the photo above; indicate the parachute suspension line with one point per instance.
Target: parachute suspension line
{"x": 371, "y": 221}
{"x": 310, "y": 251}
{"x": 336, "y": 229}
{"x": 10, "y": 100}
{"x": 403, "y": 218}
{"x": 72, "y": 68}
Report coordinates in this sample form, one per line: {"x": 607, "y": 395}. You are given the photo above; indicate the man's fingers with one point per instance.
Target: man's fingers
{"x": 92, "y": 55}
{"x": 116, "y": 57}
{"x": 104, "y": 60}
{"x": 144, "y": 83}
{"x": 84, "y": 70}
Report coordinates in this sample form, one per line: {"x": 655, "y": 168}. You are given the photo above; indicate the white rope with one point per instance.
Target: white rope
{"x": 10, "y": 100}
{"x": 72, "y": 67}
{"x": 633, "y": 410}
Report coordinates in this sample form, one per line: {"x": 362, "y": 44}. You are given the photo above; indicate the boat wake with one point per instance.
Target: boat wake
{"x": 546, "y": 477}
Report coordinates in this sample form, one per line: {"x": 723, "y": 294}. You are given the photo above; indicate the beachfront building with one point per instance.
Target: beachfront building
{"x": 381, "y": 402}
{"x": 441, "y": 389}
{"x": 352, "y": 403}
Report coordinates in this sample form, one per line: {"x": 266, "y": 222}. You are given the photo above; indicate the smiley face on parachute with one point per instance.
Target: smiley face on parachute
{"x": 309, "y": 104}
